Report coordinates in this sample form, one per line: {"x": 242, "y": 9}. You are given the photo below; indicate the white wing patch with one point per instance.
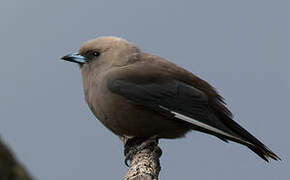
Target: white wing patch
{"x": 200, "y": 124}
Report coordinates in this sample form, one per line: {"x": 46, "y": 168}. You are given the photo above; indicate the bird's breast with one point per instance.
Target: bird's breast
{"x": 126, "y": 118}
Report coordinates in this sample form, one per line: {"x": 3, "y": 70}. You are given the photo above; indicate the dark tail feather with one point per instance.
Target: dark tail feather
{"x": 255, "y": 145}
{"x": 264, "y": 153}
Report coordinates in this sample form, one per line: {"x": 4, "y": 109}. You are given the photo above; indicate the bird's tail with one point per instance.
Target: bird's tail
{"x": 247, "y": 139}
{"x": 255, "y": 145}
{"x": 227, "y": 129}
{"x": 220, "y": 124}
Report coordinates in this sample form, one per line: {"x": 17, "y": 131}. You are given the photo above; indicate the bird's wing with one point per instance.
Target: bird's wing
{"x": 176, "y": 99}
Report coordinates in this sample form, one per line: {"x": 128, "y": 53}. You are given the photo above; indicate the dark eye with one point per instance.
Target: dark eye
{"x": 96, "y": 53}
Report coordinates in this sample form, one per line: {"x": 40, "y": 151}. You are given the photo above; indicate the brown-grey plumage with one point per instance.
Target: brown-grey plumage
{"x": 135, "y": 94}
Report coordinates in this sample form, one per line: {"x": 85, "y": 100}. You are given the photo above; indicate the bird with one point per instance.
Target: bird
{"x": 139, "y": 95}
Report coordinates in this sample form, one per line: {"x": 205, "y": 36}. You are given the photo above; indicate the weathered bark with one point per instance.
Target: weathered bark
{"x": 144, "y": 164}
{"x": 10, "y": 168}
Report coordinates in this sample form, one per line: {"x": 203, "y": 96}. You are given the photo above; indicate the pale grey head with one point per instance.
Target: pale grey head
{"x": 104, "y": 52}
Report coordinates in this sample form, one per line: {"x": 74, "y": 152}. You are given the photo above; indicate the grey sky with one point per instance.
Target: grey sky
{"x": 240, "y": 47}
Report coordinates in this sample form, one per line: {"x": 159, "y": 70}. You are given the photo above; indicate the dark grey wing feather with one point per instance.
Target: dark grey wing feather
{"x": 185, "y": 102}
{"x": 170, "y": 97}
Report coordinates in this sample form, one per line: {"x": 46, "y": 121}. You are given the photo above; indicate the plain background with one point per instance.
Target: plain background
{"x": 240, "y": 47}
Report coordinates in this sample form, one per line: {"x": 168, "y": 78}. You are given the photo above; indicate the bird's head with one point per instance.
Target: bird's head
{"x": 104, "y": 52}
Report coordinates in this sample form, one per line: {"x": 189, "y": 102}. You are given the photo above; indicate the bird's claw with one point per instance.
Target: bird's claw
{"x": 134, "y": 145}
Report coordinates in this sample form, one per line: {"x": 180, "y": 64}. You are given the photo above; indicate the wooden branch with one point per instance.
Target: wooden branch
{"x": 10, "y": 168}
{"x": 144, "y": 164}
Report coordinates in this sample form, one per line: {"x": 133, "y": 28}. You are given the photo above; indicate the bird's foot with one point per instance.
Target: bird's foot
{"x": 134, "y": 145}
